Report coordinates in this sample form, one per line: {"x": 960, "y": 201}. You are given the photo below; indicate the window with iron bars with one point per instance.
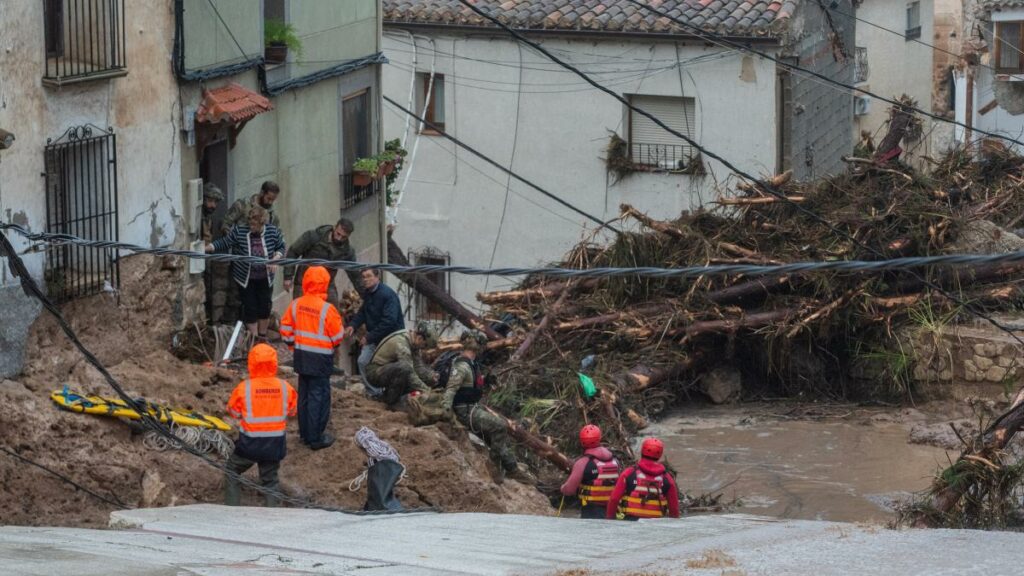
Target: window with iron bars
{"x": 84, "y": 39}
{"x": 427, "y": 309}
{"x": 650, "y": 145}
{"x": 860, "y": 68}
{"x": 81, "y": 200}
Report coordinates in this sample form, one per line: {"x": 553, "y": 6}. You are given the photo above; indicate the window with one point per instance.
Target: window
{"x": 427, "y": 309}
{"x": 81, "y": 200}
{"x": 1008, "y": 47}
{"x": 651, "y": 145}
{"x": 435, "y": 105}
{"x": 913, "y": 21}
{"x": 357, "y": 142}
{"x": 860, "y": 67}
{"x": 83, "y": 39}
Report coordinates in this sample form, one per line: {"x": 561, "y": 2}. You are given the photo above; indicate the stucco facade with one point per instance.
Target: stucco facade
{"x": 142, "y": 110}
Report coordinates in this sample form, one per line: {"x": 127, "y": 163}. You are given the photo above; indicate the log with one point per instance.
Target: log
{"x": 758, "y": 288}
{"x": 759, "y": 200}
{"x": 774, "y": 182}
{"x": 552, "y": 312}
{"x": 609, "y": 400}
{"x": 537, "y": 445}
{"x": 656, "y": 225}
{"x": 431, "y": 291}
{"x": 642, "y": 377}
{"x": 756, "y": 320}
{"x": 899, "y": 121}
{"x": 649, "y": 310}
{"x": 543, "y": 292}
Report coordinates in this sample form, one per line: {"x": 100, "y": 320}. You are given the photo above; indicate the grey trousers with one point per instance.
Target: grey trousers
{"x": 268, "y": 479}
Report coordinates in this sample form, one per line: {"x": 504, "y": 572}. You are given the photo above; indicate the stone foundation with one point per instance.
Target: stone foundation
{"x": 967, "y": 354}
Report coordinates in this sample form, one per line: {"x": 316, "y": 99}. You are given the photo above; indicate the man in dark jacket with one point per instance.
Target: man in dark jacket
{"x": 381, "y": 312}
{"x": 324, "y": 243}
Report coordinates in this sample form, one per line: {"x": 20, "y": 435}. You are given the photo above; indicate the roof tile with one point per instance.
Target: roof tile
{"x": 232, "y": 103}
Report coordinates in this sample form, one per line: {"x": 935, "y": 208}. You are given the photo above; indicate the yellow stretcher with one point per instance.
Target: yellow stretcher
{"x": 119, "y": 408}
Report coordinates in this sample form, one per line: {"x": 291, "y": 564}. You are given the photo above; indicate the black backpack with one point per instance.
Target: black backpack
{"x": 443, "y": 366}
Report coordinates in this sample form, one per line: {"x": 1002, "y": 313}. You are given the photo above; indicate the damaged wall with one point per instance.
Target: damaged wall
{"x": 141, "y": 108}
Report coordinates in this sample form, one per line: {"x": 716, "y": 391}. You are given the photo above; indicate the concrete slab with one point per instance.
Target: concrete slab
{"x": 214, "y": 540}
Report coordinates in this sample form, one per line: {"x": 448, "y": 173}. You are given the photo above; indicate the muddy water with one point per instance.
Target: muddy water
{"x": 834, "y": 469}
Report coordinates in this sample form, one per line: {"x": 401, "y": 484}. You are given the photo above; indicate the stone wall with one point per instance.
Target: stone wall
{"x": 967, "y": 354}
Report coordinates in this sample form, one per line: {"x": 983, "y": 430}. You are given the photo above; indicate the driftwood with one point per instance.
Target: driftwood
{"x": 752, "y": 289}
{"x": 537, "y": 445}
{"x": 539, "y": 293}
{"x": 757, "y": 320}
{"x": 899, "y": 122}
{"x": 436, "y": 294}
{"x": 758, "y": 200}
{"x": 649, "y": 310}
{"x": 774, "y": 182}
{"x": 543, "y": 325}
{"x": 657, "y": 225}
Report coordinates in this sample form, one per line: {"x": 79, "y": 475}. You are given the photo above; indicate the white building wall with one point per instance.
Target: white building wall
{"x": 547, "y": 125}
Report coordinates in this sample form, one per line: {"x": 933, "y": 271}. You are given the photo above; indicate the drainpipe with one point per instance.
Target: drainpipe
{"x": 969, "y": 107}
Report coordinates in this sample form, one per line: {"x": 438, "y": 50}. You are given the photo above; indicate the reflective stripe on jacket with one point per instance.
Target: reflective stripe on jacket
{"x": 647, "y": 498}
{"x": 598, "y": 482}
{"x": 313, "y": 329}
{"x": 262, "y": 407}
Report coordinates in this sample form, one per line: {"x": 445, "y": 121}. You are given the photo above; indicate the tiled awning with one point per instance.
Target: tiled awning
{"x": 233, "y": 104}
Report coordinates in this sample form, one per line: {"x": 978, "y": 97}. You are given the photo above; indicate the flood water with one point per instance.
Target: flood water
{"x": 833, "y": 469}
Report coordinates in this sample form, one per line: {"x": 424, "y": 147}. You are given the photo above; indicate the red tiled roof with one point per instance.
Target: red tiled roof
{"x": 734, "y": 17}
{"x": 232, "y": 103}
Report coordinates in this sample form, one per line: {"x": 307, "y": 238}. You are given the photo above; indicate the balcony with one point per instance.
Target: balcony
{"x": 680, "y": 159}
{"x": 352, "y": 194}
{"x": 84, "y": 40}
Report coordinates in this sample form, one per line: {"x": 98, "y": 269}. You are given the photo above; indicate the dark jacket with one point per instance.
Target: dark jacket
{"x": 317, "y": 244}
{"x": 238, "y": 242}
{"x": 381, "y": 312}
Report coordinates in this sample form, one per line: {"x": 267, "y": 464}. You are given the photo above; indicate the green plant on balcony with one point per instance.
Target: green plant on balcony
{"x": 278, "y": 38}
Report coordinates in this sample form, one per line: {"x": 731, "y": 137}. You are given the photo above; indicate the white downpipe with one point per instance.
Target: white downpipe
{"x": 412, "y": 88}
{"x": 231, "y": 343}
{"x": 393, "y": 210}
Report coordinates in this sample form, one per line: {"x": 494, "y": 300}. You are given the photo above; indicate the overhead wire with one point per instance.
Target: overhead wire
{"x": 113, "y": 500}
{"x": 763, "y": 185}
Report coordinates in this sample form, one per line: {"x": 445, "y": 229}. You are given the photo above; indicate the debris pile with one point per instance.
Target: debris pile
{"x": 656, "y": 341}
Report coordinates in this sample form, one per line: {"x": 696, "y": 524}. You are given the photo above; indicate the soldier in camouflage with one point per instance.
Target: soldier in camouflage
{"x": 212, "y": 197}
{"x": 396, "y": 365}
{"x": 324, "y": 243}
{"x": 238, "y": 213}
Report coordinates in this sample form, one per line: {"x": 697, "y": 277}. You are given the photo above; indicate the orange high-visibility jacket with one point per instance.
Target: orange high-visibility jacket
{"x": 263, "y": 402}
{"x": 311, "y": 324}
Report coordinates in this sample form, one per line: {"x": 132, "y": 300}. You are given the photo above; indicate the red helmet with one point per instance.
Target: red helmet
{"x": 652, "y": 448}
{"x": 590, "y": 436}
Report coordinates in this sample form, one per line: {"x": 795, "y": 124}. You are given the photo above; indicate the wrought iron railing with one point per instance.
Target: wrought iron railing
{"x": 662, "y": 156}
{"x": 352, "y": 194}
{"x": 83, "y": 38}
{"x": 81, "y": 200}
{"x": 860, "y": 68}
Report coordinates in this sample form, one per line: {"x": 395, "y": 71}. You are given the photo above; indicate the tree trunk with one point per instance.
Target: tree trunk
{"x": 649, "y": 310}
{"x": 754, "y": 289}
{"x": 898, "y": 124}
{"x": 663, "y": 227}
{"x": 537, "y": 445}
{"x": 757, "y": 320}
{"x": 543, "y": 292}
{"x": 551, "y": 313}
{"x": 431, "y": 291}
{"x": 641, "y": 377}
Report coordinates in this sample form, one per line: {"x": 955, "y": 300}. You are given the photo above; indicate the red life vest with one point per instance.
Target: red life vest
{"x": 647, "y": 498}
{"x": 598, "y": 481}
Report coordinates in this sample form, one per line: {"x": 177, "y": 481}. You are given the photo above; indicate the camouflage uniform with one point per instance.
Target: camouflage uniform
{"x": 478, "y": 419}
{"x": 397, "y": 368}
{"x": 317, "y": 244}
{"x": 238, "y": 213}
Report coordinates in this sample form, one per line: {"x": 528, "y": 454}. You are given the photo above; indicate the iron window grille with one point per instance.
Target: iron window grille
{"x": 427, "y": 309}
{"x": 913, "y": 21}
{"x": 351, "y": 194}
{"x": 861, "y": 69}
{"x": 651, "y": 148}
{"x": 81, "y": 200}
{"x": 84, "y": 39}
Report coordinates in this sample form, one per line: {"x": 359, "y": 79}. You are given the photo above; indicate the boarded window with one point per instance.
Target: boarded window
{"x": 435, "y": 104}
{"x": 650, "y": 144}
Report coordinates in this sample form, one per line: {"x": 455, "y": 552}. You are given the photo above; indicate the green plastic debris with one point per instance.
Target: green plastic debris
{"x": 588, "y": 385}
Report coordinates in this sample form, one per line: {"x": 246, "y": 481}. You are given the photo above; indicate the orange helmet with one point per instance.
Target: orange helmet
{"x": 652, "y": 448}
{"x": 590, "y": 436}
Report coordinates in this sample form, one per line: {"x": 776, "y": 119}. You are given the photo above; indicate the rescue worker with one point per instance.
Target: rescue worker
{"x": 396, "y": 366}
{"x": 593, "y": 475}
{"x": 238, "y": 213}
{"x": 212, "y": 197}
{"x": 322, "y": 243}
{"x": 645, "y": 490}
{"x": 461, "y": 401}
{"x": 312, "y": 329}
{"x": 381, "y": 313}
{"x": 261, "y": 404}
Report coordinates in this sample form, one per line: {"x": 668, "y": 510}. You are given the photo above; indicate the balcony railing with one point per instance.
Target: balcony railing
{"x": 860, "y": 69}
{"x": 84, "y": 39}
{"x": 352, "y": 194}
{"x": 663, "y": 156}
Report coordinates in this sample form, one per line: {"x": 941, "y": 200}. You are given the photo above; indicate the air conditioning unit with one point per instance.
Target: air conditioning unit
{"x": 861, "y": 105}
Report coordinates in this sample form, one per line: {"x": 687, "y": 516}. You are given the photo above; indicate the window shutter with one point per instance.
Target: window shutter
{"x": 677, "y": 113}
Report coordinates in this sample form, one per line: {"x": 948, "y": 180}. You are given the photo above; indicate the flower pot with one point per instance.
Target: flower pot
{"x": 385, "y": 169}
{"x": 361, "y": 179}
{"x": 275, "y": 54}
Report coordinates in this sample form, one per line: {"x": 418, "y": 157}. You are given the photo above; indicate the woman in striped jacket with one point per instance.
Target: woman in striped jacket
{"x": 255, "y": 281}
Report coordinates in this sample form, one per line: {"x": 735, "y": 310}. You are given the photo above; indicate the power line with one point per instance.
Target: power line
{"x": 32, "y": 289}
{"x": 794, "y": 268}
{"x": 113, "y": 500}
{"x": 723, "y": 41}
{"x": 763, "y": 185}
{"x": 480, "y": 155}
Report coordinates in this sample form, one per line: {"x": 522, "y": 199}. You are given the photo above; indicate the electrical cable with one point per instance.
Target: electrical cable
{"x": 723, "y": 41}
{"x": 29, "y": 286}
{"x": 480, "y": 155}
{"x": 763, "y": 185}
{"x": 228, "y": 29}
{"x": 113, "y": 500}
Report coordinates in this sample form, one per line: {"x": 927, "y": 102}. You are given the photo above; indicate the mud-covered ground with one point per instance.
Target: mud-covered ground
{"x": 132, "y": 337}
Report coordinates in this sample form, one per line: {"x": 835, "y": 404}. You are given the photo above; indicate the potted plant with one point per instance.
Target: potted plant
{"x": 387, "y": 160}
{"x": 278, "y": 37}
{"x": 364, "y": 171}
